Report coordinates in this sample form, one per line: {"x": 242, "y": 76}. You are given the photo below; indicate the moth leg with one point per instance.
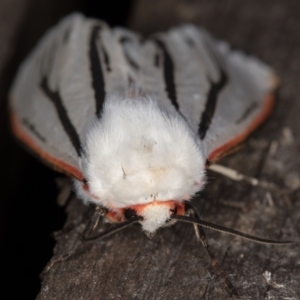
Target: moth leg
{"x": 64, "y": 184}
{"x": 201, "y": 236}
{"x": 93, "y": 221}
{"x": 235, "y": 175}
{"x": 90, "y": 226}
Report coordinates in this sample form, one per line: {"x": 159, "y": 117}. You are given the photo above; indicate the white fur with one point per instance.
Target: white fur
{"x": 155, "y": 216}
{"x": 136, "y": 153}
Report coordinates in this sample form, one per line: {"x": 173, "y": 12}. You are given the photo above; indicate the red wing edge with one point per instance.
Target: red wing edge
{"x": 55, "y": 163}
{"x": 265, "y": 112}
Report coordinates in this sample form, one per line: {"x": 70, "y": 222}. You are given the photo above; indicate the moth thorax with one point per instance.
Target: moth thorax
{"x": 137, "y": 153}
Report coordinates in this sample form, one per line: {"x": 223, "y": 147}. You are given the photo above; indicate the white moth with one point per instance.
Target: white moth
{"x": 136, "y": 122}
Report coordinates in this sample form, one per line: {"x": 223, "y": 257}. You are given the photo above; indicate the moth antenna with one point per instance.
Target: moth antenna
{"x": 228, "y": 230}
{"x": 201, "y": 236}
{"x": 112, "y": 230}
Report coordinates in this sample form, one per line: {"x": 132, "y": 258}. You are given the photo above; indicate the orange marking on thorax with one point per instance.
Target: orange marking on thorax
{"x": 117, "y": 215}
{"x": 171, "y": 203}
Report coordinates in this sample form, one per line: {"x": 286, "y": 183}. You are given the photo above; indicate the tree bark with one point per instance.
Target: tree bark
{"x": 174, "y": 265}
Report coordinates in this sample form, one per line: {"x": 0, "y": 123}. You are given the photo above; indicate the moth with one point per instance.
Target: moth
{"x": 135, "y": 122}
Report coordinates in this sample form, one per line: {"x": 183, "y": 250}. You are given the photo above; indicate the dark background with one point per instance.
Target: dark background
{"x": 171, "y": 265}
{"x": 28, "y": 212}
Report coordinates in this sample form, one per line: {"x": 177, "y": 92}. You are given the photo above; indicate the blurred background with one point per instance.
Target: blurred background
{"x": 28, "y": 211}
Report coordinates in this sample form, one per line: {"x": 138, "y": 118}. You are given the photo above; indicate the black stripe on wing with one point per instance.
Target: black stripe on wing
{"x": 106, "y": 59}
{"x": 98, "y": 83}
{"x": 157, "y": 60}
{"x": 211, "y": 102}
{"x": 31, "y": 127}
{"x": 248, "y": 111}
{"x": 169, "y": 73}
{"x": 55, "y": 98}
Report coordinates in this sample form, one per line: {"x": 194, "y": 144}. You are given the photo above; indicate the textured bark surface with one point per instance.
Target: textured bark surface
{"x": 173, "y": 265}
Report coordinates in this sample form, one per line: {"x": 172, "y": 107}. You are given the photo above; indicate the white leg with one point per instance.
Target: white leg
{"x": 235, "y": 175}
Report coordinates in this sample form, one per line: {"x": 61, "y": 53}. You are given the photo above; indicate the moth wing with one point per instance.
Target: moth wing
{"x": 223, "y": 94}
{"x": 60, "y": 90}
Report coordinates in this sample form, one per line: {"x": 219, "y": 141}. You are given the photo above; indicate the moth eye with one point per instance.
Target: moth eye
{"x": 129, "y": 213}
{"x": 174, "y": 211}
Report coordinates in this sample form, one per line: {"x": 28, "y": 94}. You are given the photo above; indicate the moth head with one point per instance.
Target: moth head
{"x": 137, "y": 154}
{"x": 151, "y": 216}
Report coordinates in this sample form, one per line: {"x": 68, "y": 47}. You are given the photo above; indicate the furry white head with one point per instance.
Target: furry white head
{"x": 155, "y": 216}
{"x": 137, "y": 153}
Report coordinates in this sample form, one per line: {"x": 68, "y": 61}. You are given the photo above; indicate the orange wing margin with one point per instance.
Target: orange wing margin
{"x": 55, "y": 163}
{"x": 265, "y": 112}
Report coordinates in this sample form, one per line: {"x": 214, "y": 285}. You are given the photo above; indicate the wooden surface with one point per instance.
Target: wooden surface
{"x": 173, "y": 265}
